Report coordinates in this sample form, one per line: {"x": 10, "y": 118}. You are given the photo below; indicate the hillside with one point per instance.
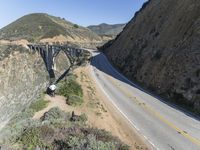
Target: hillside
{"x": 45, "y": 28}
{"x": 48, "y": 123}
{"x": 159, "y": 49}
{"x": 106, "y": 29}
{"x": 22, "y": 77}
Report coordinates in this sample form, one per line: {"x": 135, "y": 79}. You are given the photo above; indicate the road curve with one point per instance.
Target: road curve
{"x": 164, "y": 126}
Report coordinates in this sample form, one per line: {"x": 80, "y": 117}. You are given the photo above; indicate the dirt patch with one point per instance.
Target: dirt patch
{"x": 100, "y": 112}
{"x": 21, "y": 42}
{"x": 64, "y": 39}
{"x": 57, "y": 101}
{"x": 60, "y": 39}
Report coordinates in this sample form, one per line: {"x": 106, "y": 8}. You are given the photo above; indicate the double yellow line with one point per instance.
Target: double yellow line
{"x": 158, "y": 115}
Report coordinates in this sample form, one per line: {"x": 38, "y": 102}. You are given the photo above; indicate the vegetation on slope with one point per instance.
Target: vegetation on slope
{"x": 35, "y": 27}
{"x": 39, "y": 104}
{"x": 106, "y": 29}
{"x": 7, "y": 50}
{"x": 31, "y": 27}
{"x": 54, "y": 131}
{"x": 72, "y": 91}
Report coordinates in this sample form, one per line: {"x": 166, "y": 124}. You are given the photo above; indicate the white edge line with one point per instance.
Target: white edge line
{"x": 140, "y": 88}
{"x": 119, "y": 109}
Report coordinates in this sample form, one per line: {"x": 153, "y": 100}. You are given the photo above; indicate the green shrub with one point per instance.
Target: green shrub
{"x": 70, "y": 87}
{"x": 76, "y": 26}
{"x": 124, "y": 147}
{"x": 83, "y": 117}
{"x": 72, "y": 91}
{"x": 46, "y": 132}
{"x": 56, "y": 131}
{"x": 73, "y": 142}
{"x": 94, "y": 143}
{"x": 74, "y": 100}
{"x": 25, "y": 114}
{"x": 30, "y": 138}
{"x": 55, "y": 113}
{"x": 39, "y": 104}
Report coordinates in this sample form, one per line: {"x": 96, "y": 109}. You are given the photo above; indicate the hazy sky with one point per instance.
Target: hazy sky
{"x": 82, "y": 12}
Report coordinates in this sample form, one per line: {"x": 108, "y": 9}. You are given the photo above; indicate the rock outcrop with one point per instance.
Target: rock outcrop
{"x": 160, "y": 49}
{"x": 23, "y": 77}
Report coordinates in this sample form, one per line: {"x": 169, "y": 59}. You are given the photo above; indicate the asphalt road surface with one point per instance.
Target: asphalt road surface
{"x": 162, "y": 125}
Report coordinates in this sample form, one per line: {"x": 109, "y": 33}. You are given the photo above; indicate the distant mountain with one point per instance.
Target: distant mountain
{"x": 106, "y": 29}
{"x": 39, "y": 26}
{"x": 160, "y": 49}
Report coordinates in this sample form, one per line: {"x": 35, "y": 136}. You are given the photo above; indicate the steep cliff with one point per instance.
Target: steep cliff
{"x": 23, "y": 77}
{"x": 159, "y": 48}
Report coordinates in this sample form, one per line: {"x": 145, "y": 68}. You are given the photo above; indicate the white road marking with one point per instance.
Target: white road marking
{"x": 93, "y": 70}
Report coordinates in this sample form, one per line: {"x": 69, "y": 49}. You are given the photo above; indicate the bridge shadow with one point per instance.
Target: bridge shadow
{"x": 63, "y": 75}
{"x": 100, "y": 62}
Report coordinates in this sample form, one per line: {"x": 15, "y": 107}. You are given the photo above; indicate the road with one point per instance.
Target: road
{"x": 162, "y": 125}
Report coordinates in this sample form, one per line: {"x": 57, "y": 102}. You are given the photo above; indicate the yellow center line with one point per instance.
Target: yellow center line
{"x": 156, "y": 114}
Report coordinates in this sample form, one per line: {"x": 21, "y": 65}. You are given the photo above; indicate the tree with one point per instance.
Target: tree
{"x": 76, "y": 26}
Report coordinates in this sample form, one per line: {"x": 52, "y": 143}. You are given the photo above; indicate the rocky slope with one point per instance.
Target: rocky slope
{"x": 23, "y": 74}
{"x": 159, "y": 48}
{"x": 23, "y": 77}
{"x": 44, "y": 28}
{"x": 106, "y": 29}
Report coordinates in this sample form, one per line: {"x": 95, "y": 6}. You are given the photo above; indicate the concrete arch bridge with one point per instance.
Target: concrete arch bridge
{"x": 49, "y": 53}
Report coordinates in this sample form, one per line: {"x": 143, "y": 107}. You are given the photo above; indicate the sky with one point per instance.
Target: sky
{"x": 82, "y": 12}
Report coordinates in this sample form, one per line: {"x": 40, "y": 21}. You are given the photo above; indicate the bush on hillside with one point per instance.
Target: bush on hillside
{"x": 52, "y": 133}
{"x": 55, "y": 113}
{"x": 72, "y": 91}
{"x": 39, "y": 104}
{"x": 74, "y": 100}
{"x": 76, "y": 26}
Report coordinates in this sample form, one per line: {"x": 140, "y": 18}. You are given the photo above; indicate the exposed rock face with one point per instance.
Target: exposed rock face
{"x": 23, "y": 77}
{"x": 159, "y": 48}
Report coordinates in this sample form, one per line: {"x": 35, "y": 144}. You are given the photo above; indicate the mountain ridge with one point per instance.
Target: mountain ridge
{"x": 39, "y": 26}
{"x": 107, "y": 29}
